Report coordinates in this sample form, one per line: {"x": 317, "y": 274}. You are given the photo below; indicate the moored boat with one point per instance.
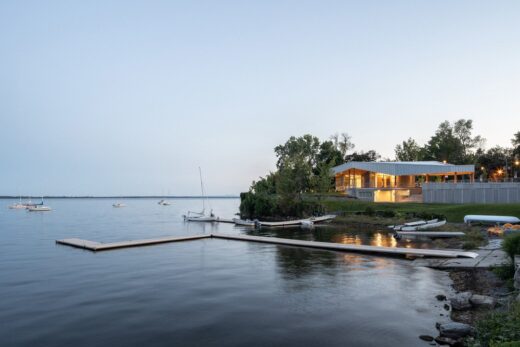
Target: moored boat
{"x": 200, "y": 216}
{"x": 244, "y": 222}
{"x": 118, "y": 204}
{"x": 39, "y": 208}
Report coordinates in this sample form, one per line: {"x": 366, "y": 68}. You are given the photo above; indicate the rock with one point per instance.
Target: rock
{"x": 426, "y": 338}
{"x": 440, "y": 297}
{"x": 455, "y": 330}
{"x": 518, "y": 298}
{"x": 448, "y": 341}
{"x": 482, "y": 301}
{"x": 446, "y": 307}
{"x": 516, "y": 279}
{"x": 461, "y": 301}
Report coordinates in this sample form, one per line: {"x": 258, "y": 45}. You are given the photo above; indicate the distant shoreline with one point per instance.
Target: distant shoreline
{"x": 124, "y": 197}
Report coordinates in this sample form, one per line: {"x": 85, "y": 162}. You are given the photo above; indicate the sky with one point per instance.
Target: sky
{"x": 131, "y": 97}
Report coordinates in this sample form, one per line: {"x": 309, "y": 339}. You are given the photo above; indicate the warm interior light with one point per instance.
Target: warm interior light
{"x": 500, "y": 171}
{"x": 517, "y": 163}
{"x": 482, "y": 168}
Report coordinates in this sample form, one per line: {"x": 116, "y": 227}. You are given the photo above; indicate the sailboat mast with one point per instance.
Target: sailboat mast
{"x": 202, "y": 190}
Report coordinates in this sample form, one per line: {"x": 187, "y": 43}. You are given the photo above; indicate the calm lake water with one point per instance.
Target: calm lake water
{"x": 201, "y": 293}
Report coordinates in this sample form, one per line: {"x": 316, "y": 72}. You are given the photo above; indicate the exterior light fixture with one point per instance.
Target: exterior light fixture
{"x": 444, "y": 161}
{"x": 500, "y": 171}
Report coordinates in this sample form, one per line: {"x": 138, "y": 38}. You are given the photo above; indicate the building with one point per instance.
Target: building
{"x": 396, "y": 181}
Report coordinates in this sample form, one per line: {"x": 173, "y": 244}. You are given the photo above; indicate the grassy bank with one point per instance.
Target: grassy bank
{"x": 454, "y": 212}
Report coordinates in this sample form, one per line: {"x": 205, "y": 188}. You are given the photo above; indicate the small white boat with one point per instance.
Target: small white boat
{"x": 490, "y": 219}
{"x": 201, "y": 216}
{"x": 244, "y": 222}
{"x": 39, "y": 208}
{"x": 419, "y": 225}
{"x": 164, "y": 203}
{"x": 118, "y": 204}
{"x": 307, "y": 223}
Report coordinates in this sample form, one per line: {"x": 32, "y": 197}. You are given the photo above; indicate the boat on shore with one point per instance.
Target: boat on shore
{"x": 297, "y": 222}
{"x": 489, "y": 219}
{"x": 418, "y": 225}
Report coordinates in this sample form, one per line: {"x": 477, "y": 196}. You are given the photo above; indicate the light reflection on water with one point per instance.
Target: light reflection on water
{"x": 201, "y": 293}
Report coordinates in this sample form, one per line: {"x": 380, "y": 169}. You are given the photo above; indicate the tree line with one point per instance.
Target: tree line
{"x": 455, "y": 143}
{"x": 303, "y": 166}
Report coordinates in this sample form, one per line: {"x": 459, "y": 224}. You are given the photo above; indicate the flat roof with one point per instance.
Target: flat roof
{"x": 404, "y": 168}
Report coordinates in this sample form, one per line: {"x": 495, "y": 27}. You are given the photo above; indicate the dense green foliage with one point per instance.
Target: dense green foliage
{"x": 455, "y": 143}
{"x": 499, "y": 328}
{"x": 303, "y": 166}
{"x": 511, "y": 245}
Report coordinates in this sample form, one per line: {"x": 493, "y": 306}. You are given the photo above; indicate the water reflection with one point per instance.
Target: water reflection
{"x": 350, "y": 234}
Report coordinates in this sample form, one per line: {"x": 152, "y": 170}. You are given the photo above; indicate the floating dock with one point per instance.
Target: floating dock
{"x": 98, "y": 246}
{"x": 432, "y": 234}
{"x": 351, "y": 248}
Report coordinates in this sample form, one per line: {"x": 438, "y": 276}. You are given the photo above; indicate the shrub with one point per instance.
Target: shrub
{"x": 388, "y": 214}
{"x": 500, "y": 328}
{"x": 370, "y": 211}
{"x": 511, "y": 245}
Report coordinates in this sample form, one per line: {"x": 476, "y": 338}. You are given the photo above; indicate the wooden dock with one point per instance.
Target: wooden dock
{"x": 432, "y": 234}
{"x": 98, "y": 246}
{"x": 352, "y": 248}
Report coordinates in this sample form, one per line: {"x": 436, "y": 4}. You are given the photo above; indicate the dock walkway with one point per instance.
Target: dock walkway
{"x": 99, "y": 246}
{"x": 392, "y": 251}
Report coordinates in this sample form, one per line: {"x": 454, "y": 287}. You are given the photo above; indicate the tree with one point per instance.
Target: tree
{"x": 409, "y": 150}
{"x": 343, "y": 143}
{"x": 515, "y": 141}
{"x": 444, "y": 145}
{"x": 493, "y": 160}
{"x": 462, "y": 130}
{"x": 329, "y": 154}
{"x": 297, "y": 150}
{"x": 323, "y": 181}
{"x": 370, "y": 155}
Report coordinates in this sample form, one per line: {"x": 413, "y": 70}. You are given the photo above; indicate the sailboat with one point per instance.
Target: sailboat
{"x": 38, "y": 207}
{"x": 164, "y": 203}
{"x": 18, "y": 205}
{"x": 201, "y": 216}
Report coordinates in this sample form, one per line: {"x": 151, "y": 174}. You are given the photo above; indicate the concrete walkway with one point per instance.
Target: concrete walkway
{"x": 486, "y": 258}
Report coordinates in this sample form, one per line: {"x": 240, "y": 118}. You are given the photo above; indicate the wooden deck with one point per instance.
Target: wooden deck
{"x": 97, "y": 246}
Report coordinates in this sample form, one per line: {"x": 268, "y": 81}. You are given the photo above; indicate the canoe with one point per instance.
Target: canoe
{"x": 314, "y": 220}
{"x": 490, "y": 219}
{"x": 420, "y": 225}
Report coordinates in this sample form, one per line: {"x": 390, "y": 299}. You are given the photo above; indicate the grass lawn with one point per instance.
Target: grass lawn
{"x": 454, "y": 212}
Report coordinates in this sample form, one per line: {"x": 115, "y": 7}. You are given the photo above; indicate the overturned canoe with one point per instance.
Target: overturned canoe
{"x": 476, "y": 218}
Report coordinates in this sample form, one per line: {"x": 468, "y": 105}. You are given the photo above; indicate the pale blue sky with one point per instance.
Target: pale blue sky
{"x": 125, "y": 97}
